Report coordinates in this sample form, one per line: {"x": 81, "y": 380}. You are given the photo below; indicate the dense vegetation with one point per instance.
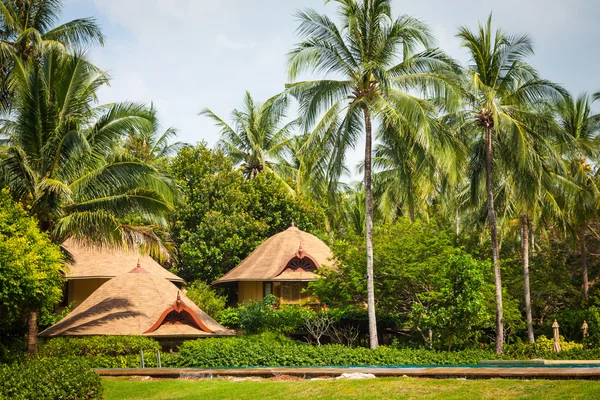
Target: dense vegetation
{"x": 49, "y": 379}
{"x": 475, "y": 225}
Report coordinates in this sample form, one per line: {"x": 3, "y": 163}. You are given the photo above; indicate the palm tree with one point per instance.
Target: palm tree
{"x": 580, "y": 148}
{"x": 502, "y": 88}
{"x": 377, "y": 64}
{"x": 259, "y": 138}
{"x": 28, "y": 26}
{"x": 410, "y": 175}
{"x": 149, "y": 143}
{"x": 61, "y": 161}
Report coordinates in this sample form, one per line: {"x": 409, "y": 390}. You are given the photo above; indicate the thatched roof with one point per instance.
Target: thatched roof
{"x": 93, "y": 262}
{"x": 269, "y": 260}
{"x": 137, "y": 303}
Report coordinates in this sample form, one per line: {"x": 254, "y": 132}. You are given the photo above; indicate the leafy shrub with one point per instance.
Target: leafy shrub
{"x": 97, "y": 346}
{"x": 230, "y": 318}
{"x": 264, "y": 351}
{"x": 206, "y": 298}
{"x": 542, "y": 348}
{"x": 49, "y": 379}
{"x": 262, "y": 316}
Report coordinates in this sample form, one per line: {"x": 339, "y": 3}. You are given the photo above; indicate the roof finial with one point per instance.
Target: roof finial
{"x": 293, "y": 224}
{"x": 138, "y": 264}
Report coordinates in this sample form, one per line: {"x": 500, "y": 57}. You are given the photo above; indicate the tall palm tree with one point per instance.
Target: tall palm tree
{"x": 149, "y": 143}
{"x": 410, "y": 175}
{"x": 580, "y": 148}
{"x": 61, "y": 161}
{"x": 502, "y": 87}
{"x": 376, "y": 65}
{"x": 29, "y": 26}
{"x": 259, "y": 138}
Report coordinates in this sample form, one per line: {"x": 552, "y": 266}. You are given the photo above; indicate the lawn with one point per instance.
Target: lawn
{"x": 380, "y": 388}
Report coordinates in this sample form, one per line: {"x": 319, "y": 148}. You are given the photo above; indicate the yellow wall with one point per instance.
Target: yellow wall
{"x": 250, "y": 291}
{"x": 287, "y": 292}
{"x": 81, "y": 289}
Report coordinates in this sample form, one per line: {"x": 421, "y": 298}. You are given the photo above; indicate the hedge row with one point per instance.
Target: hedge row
{"x": 241, "y": 352}
{"x": 249, "y": 351}
{"x": 97, "y": 346}
{"x": 49, "y": 379}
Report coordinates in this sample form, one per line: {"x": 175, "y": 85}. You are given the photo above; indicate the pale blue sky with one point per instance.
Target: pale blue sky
{"x": 185, "y": 55}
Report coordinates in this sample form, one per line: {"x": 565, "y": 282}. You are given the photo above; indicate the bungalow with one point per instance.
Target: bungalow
{"x": 138, "y": 303}
{"x": 282, "y": 265}
{"x": 92, "y": 267}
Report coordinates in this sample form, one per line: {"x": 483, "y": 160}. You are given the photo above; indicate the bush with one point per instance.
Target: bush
{"x": 206, "y": 298}
{"x": 265, "y": 351}
{"x": 63, "y": 347}
{"x": 49, "y": 379}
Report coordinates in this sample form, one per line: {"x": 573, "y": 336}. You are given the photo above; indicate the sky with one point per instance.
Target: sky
{"x": 187, "y": 55}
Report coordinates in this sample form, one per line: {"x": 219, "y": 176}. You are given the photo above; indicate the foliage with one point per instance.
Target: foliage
{"x": 30, "y": 265}
{"x": 49, "y": 379}
{"x": 63, "y": 347}
{"x": 66, "y": 169}
{"x": 258, "y": 139}
{"x": 442, "y": 288}
{"x": 262, "y": 316}
{"x": 242, "y": 351}
{"x": 206, "y": 298}
{"x": 225, "y": 216}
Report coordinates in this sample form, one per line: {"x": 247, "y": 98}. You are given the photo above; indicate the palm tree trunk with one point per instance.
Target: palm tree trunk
{"x": 532, "y": 233}
{"x": 494, "y": 238}
{"x": 411, "y": 213}
{"x": 32, "y": 334}
{"x": 369, "y": 231}
{"x": 457, "y": 221}
{"x": 525, "y": 245}
{"x": 584, "y": 270}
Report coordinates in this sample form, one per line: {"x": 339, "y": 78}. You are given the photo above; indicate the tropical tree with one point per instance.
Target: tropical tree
{"x": 580, "y": 149}
{"x": 502, "y": 89}
{"x": 61, "y": 161}
{"x": 149, "y": 143}
{"x": 28, "y": 26}
{"x": 259, "y": 136}
{"x": 31, "y": 270}
{"x": 376, "y": 65}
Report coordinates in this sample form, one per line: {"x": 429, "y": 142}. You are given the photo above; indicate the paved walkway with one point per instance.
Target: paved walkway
{"x": 432, "y": 372}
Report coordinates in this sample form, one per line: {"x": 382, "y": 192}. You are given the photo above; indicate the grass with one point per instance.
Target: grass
{"x": 380, "y": 388}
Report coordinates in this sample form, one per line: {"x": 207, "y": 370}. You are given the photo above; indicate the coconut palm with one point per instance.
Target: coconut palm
{"x": 502, "y": 88}
{"x": 28, "y": 26}
{"x": 580, "y": 148}
{"x": 149, "y": 143}
{"x": 259, "y": 138}
{"x": 375, "y": 65}
{"x": 61, "y": 161}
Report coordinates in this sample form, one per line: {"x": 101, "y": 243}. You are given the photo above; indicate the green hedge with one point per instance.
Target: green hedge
{"x": 244, "y": 352}
{"x": 97, "y": 346}
{"x": 266, "y": 351}
{"x": 49, "y": 379}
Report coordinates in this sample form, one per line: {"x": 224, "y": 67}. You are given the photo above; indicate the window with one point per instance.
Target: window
{"x": 267, "y": 289}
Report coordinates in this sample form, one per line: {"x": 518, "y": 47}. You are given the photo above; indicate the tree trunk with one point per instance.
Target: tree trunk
{"x": 532, "y": 234}
{"x": 584, "y": 270}
{"x": 411, "y": 213}
{"x": 369, "y": 231}
{"x": 457, "y": 221}
{"x": 525, "y": 248}
{"x": 494, "y": 238}
{"x": 32, "y": 334}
